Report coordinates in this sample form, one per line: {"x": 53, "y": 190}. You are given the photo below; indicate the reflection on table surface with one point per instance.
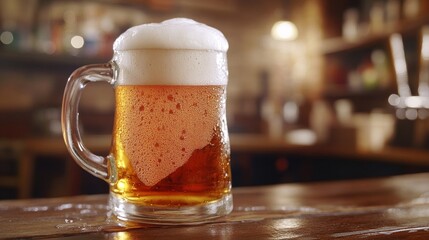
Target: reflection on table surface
{"x": 384, "y": 208}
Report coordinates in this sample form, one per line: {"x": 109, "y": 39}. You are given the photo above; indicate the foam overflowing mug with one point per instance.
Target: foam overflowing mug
{"x": 170, "y": 156}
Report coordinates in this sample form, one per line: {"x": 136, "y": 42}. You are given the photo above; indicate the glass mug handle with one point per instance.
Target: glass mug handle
{"x": 94, "y": 164}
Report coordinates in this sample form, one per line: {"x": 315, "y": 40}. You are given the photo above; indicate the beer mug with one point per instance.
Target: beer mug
{"x": 169, "y": 161}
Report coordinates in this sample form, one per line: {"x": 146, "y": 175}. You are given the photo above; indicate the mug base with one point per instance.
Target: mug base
{"x": 130, "y": 212}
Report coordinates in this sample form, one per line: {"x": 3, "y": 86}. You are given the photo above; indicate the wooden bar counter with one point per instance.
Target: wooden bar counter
{"x": 243, "y": 146}
{"x": 384, "y": 208}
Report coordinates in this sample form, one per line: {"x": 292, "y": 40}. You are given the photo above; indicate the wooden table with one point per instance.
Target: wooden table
{"x": 385, "y": 208}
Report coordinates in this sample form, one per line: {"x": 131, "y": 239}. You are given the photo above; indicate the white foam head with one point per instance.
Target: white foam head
{"x": 175, "y": 52}
{"x": 177, "y": 33}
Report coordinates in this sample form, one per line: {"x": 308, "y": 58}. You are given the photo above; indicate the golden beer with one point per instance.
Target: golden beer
{"x": 170, "y": 145}
{"x": 170, "y": 157}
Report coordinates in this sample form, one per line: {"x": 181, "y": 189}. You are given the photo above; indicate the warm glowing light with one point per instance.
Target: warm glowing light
{"x": 425, "y": 43}
{"x": 400, "y": 113}
{"x": 284, "y": 30}
{"x": 77, "y": 41}
{"x": 425, "y": 47}
{"x": 411, "y": 114}
{"x": 6, "y": 37}
{"x": 400, "y": 64}
{"x": 301, "y": 137}
{"x": 423, "y": 113}
{"x": 394, "y": 100}
{"x": 413, "y": 102}
{"x": 122, "y": 185}
{"x": 290, "y": 112}
{"x": 123, "y": 236}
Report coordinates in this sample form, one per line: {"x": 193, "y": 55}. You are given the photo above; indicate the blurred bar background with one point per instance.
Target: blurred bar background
{"x": 318, "y": 90}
